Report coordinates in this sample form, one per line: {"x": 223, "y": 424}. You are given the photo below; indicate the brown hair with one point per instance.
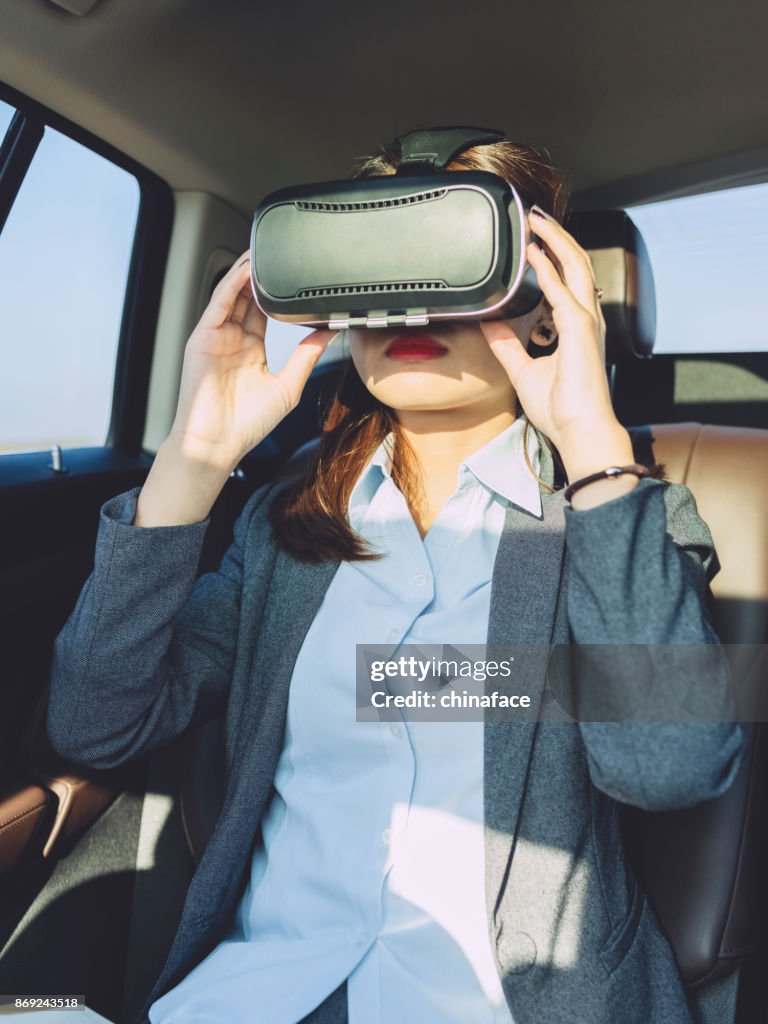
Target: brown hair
{"x": 309, "y": 516}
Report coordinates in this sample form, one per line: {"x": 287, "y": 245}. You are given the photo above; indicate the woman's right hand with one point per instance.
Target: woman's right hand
{"x": 229, "y": 400}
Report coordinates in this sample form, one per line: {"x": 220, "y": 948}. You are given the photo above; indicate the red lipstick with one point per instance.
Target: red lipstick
{"x": 413, "y": 347}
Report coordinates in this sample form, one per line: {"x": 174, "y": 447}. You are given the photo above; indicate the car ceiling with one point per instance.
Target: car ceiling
{"x": 237, "y": 98}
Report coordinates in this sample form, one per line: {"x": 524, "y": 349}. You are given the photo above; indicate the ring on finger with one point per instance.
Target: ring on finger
{"x": 599, "y": 293}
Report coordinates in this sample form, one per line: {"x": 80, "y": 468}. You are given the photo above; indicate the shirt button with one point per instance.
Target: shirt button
{"x": 419, "y": 579}
{"x": 363, "y": 939}
{"x": 393, "y": 634}
{"x": 396, "y": 730}
{"x": 386, "y": 836}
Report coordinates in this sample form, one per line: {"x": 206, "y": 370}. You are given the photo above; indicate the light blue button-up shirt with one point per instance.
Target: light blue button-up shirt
{"x": 372, "y": 865}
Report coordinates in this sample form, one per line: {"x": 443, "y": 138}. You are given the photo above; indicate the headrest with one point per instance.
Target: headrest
{"x": 623, "y": 271}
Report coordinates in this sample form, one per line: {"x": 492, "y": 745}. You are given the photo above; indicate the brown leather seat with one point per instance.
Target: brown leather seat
{"x": 704, "y": 867}
{"x": 727, "y": 470}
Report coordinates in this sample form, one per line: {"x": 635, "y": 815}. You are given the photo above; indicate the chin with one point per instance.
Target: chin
{"x": 421, "y": 392}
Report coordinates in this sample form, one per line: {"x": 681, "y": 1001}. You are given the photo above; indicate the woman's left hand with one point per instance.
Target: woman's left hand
{"x": 565, "y": 395}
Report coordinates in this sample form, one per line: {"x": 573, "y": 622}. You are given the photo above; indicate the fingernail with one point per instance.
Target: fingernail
{"x": 537, "y": 210}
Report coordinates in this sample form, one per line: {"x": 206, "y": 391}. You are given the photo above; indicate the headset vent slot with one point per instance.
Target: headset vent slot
{"x": 379, "y": 204}
{"x": 367, "y": 289}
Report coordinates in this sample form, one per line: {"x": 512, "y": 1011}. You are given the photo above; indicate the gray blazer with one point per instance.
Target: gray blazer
{"x": 148, "y": 652}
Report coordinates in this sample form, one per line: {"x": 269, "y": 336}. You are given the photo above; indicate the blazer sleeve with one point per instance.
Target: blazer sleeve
{"x": 659, "y": 721}
{"x": 148, "y": 650}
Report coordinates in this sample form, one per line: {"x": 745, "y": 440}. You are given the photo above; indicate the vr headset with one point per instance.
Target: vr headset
{"x": 422, "y": 245}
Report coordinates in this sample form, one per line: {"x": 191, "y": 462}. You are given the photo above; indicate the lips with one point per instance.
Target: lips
{"x": 413, "y": 347}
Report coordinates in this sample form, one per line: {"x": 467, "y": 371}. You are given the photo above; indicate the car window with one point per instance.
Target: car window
{"x": 710, "y": 267}
{"x": 65, "y": 252}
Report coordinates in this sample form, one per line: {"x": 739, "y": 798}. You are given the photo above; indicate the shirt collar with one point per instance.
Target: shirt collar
{"x": 499, "y": 465}
{"x": 382, "y": 457}
{"x": 378, "y": 467}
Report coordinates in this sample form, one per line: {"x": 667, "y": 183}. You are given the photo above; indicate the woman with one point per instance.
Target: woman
{"x": 444, "y": 871}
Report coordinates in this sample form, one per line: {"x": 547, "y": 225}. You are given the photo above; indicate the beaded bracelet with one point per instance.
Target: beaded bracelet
{"x": 606, "y": 474}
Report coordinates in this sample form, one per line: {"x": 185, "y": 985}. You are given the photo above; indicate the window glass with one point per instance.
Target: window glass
{"x": 282, "y": 338}
{"x": 702, "y": 381}
{"x": 6, "y": 116}
{"x": 710, "y": 267}
{"x": 64, "y": 258}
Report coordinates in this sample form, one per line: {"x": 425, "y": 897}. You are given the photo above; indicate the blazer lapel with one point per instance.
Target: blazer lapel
{"x": 296, "y": 591}
{"x": 524, "y": 592}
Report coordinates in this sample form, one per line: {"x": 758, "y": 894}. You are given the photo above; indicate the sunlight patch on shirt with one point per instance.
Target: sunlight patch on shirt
{"x": 434, "y": 856}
